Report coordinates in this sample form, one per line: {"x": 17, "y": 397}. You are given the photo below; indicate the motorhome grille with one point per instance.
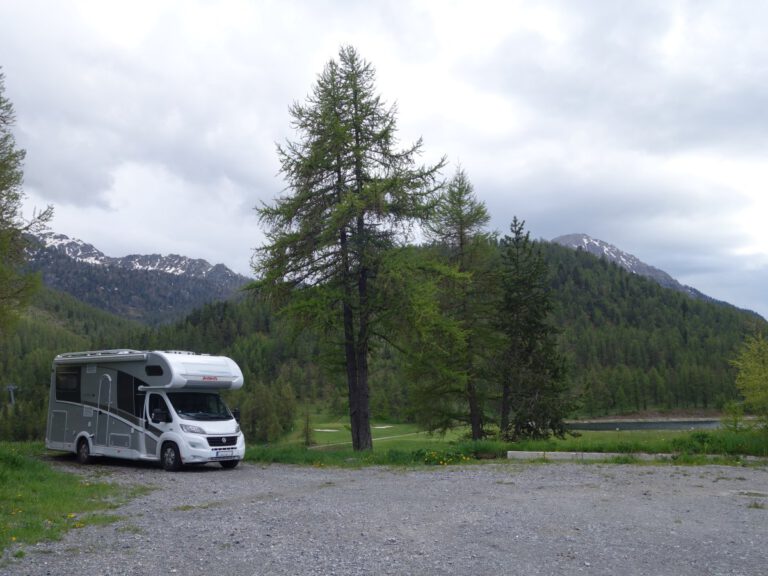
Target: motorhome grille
{"x": 216, "y": 441}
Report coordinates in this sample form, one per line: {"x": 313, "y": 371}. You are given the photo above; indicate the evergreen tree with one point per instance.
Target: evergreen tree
{"x": 752, "y": 379}
{"x": 457, "y": 227}
{"x": 16, "y": 287}
{"x": 351, "y": 197}
{"x": 534, "y": 398}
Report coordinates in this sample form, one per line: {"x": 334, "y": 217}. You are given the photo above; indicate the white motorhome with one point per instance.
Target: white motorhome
{"x": 141, "y": 405}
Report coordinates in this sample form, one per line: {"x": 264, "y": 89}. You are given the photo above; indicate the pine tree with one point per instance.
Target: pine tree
{"x": 534, "y": 398}
{"x": 458, "y": 228}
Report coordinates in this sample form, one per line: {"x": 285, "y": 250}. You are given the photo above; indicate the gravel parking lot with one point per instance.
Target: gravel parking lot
{"x": 504, "y": 518}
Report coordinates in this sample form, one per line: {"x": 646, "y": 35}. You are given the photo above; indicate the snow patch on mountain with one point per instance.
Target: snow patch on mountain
{"x": 171, "y": 264}
{"x": 627, "y": 261}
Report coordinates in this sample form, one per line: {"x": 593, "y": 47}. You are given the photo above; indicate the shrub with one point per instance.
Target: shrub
{"x": 440, "y": 457}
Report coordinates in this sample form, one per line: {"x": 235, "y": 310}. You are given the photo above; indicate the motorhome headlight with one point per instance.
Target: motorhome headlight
{"x": 192, "y": 429}
{"x": 237, "y": 428}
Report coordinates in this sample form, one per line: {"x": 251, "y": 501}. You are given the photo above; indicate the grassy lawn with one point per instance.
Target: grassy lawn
{"x": 648, "y": 441}
{"x": 404, "y": 444}
{"x": 328, "y": 432}
{"x": 698, "y": 442}
{"x": 39, "y": 503}
{"x": 335, "y": 433}
{"x": 393, "y": 443}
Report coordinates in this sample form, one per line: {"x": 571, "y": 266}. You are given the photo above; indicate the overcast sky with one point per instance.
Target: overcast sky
{"x": 151, "y": 126}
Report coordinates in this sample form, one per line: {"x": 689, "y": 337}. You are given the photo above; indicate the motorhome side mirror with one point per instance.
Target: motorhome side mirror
{"x": 236, "y": 414}
{"x": 160, "y": 415}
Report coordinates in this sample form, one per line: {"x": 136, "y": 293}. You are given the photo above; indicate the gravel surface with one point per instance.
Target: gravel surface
{"x": 505, "y": 518}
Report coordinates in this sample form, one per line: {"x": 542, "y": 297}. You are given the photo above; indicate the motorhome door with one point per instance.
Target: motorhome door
{"x": 155, "y": 416}
{"x": 104, "y": 402}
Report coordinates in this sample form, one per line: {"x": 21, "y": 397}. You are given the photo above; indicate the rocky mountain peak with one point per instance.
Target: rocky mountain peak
{"x": 71, "y": 247}
{"x": 631, "y": 263}
{"x": 175, "y": 264}
{"x": 150, "y": 288}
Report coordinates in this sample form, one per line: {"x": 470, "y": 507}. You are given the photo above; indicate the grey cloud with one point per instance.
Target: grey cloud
{"x": 638, "y": 214}
{"x": 609, "y": 78}
{"x": 600, "y": 112}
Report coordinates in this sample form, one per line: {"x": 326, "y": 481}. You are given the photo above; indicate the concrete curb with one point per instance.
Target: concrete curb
{"x": 581, "y": 456}
{"x": 596, "y": 456}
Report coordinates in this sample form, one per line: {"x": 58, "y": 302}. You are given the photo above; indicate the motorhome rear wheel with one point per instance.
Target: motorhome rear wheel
{"x": 83, "y": 451}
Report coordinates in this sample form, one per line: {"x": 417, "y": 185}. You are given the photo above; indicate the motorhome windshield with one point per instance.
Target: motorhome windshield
{"x": 199, "y": 406}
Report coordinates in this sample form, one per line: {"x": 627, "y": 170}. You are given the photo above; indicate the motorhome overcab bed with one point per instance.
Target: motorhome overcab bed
{"x": 141, "y": 405}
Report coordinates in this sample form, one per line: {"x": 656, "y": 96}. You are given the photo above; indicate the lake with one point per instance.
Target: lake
{"x": 685, "y": 424}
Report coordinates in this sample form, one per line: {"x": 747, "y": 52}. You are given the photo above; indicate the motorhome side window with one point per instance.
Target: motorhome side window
{"x": 68, "y": 383}
{"x": 153, "y": 370}
{"x": 156, "y": 402}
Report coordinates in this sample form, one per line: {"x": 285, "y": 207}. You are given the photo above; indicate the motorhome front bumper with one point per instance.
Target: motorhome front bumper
{"x": 213, "y": 449}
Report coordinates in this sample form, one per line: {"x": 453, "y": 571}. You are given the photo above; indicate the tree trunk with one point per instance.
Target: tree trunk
{"x": 350, "y": 357}
{"x": 505, "y": 408}
{"x": 361, "y": 425}
{"x": 356, "y": 351}
{"x": 475, "y": 418}
{"x": 361, "y": 420}
{"x": 356, "y": 359}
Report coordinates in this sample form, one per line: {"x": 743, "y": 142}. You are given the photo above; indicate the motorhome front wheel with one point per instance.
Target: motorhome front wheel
{"x": 171, "y": 457}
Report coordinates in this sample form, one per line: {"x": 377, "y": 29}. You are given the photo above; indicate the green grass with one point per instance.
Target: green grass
{"x": 346, "y": 457}
{"x": 332, "y": 432}
{"x": 408, "y": 449}
{"x": 726, "y": 442}
{"x": 39, "y": 503}
{"x": 624, "y": 441}
{"x": 403, "y": 444}
{"x": 700, "y": 442}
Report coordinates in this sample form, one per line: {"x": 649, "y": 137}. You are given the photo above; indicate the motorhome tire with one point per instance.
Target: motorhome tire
{"x": 229, "y": 463}
{"x": 83, "y": 451}
{"x": 170, "y": 457}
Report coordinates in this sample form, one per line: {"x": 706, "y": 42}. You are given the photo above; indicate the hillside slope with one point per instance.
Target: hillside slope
{"x": 54, "y": 323}
{"x": 635, "y": 345}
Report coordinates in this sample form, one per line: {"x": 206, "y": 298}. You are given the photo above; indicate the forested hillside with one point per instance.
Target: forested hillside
{"x": 55, "y": 323}
{"x": 634, "y": 345}
{"x": 630, "y": 344}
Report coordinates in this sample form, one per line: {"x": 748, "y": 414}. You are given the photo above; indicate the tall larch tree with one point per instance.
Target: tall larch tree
{"x": 351, "y": 197}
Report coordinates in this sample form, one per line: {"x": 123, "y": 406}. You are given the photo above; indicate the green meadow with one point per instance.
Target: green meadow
{"x": 403, "y": 444}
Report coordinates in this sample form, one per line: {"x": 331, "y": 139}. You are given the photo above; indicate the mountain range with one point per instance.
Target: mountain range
{"x": 152, "y": 288}
{"x": 156, "y": 289}
{"x": 627, "y": 261}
